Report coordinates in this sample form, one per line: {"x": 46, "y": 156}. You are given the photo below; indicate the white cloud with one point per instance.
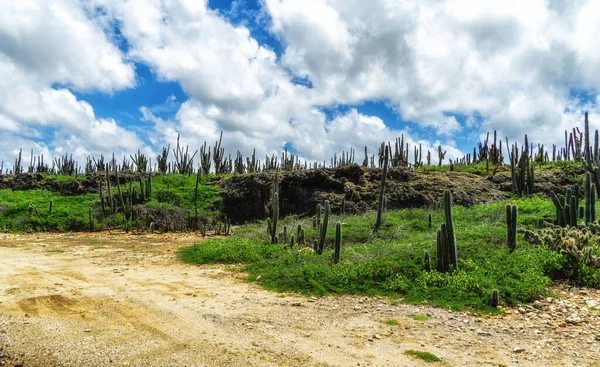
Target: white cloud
{"x": 45, "y": 44}
{"x": 506, "y": 65}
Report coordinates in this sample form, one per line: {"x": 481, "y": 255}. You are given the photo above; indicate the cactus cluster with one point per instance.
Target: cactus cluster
{"x": 447, "y": 259}
{"x": 522, "y": 170}
{"x": 567, "y": 207}
{"x": 576, "y": 242}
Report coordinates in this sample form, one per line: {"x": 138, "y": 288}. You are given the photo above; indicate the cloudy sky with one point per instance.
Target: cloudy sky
{"x": 90, "y": 77}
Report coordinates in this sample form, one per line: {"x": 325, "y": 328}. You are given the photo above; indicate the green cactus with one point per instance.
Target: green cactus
{"x": 429, "y": 218}
{"x": 323, "y": 229}
{"x": 337, "y": 243}
{"x": 301, "y": 238}
{"x": 319, "y": 209}
{"x": 495, "y": 297}
{"x": 590, "y": 199}
{"x": 451, "y": 238}
{"x": 272, "y": 223}
{"x": 292, "y": 241}
{"x": 380, "y": 203}
{"x": 427, "y": 261}
{"x": 511, "y": 226}
{"x": 447, "y": 259}
{"x": 316, "y": 246}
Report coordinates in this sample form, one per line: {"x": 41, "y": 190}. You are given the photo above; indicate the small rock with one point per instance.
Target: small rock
{"x": 297, "y": 304}
{"x": 377, "y": 336}
{"x": 484, "y": 333}
{"x": 574, "y": 319}
{"x": 87, "y": 330}
{"x": 518, "y": 350}
{"x": 591, "y": 303}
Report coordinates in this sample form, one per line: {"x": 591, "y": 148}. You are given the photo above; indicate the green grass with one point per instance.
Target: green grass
{"x": 392, "y": 322}
{"x": 18, "y": 211}
{"x": 426, "y": 356}
{"x": 389, "y": 262}
{"x": 420, "y": 317}
{"x": 178, "y": 190}
{"x": 29, "y": 211}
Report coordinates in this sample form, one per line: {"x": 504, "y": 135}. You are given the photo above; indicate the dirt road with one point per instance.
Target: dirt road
{"x": 113, "y": 299}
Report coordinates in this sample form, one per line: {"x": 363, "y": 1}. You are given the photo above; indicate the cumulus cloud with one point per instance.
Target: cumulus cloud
{"x": 506, "y": 65}
{"x": 48, "y": 49}
{"x": 513, "y": 63}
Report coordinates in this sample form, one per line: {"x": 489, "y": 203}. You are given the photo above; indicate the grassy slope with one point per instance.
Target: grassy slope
{"x": 72, "y": 212}
{"x": 390, "y": 261}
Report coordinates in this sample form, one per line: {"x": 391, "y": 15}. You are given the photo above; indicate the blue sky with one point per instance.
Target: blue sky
{"x": 102, "y": 76}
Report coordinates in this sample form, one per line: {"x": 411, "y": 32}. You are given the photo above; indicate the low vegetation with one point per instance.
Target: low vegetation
{"x": 172, "y": 196}
{"x": 426, "y": 356}
{"x": 389, "y": 261}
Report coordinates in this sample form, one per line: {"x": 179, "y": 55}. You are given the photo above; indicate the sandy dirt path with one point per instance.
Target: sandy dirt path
{"x": 113, "y": 299}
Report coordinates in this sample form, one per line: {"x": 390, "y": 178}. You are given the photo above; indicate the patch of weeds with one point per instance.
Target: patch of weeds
{"x": 426, "y": 356}
{"x": 392, "y": 322}
{"x": 420, "y": 317}
{"x": 56, "y": 251}
{"x": 389, "y": 262}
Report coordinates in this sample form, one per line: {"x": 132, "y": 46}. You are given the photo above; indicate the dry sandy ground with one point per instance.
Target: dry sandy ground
{"x": 112, "y": 299}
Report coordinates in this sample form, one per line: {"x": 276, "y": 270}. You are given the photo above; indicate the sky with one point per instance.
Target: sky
{"x": 91, "y": 77}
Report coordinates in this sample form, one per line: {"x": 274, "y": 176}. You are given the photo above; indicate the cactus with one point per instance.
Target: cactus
{"x": 272, "y": 223}
{"x": 429, "y": 219}
{"x": 447, "y": 259}
{"x": 427, "y": 261}
{"x": 337, "y": 243}
{"x": 319, "y": 209}
{"x": 284, "y": 234}
{"x": 292, "y": 241}
{"x": 451, "y": 238}
{"x": 494, "y": 298}
{"x": 380, "y": 202}
{"x": 316, "y": 245}
{"x": 511, "y": 226}
{"x": 590, "y": 199}
{"x": 50, "y": 208}
{"x": 323, "y": 228}
{"x": 301, "y": 237}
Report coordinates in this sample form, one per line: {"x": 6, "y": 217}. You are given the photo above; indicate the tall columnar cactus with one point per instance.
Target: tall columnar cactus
{"x": 590, "y": 199}
{"x": 301, "y": 238}
{"x": 429, "y": 219}
{"x": 511, "y": 226}
{"x": 338, "y": 243}
{"x": 272, "y": 223}
{"x": 380, "y": 203}
{"x": 323, "y": 228}
{"x": 427, "y": 261}
{"x": 447, "y": 259}
{"x": 450, "y": 228}
{"x": 292, "y": 241}
{"x": 495, "y": 298}
{"x": 319, "y": 209}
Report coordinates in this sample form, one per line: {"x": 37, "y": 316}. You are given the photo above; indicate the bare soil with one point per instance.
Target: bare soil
{"x": 106, "y": 299}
